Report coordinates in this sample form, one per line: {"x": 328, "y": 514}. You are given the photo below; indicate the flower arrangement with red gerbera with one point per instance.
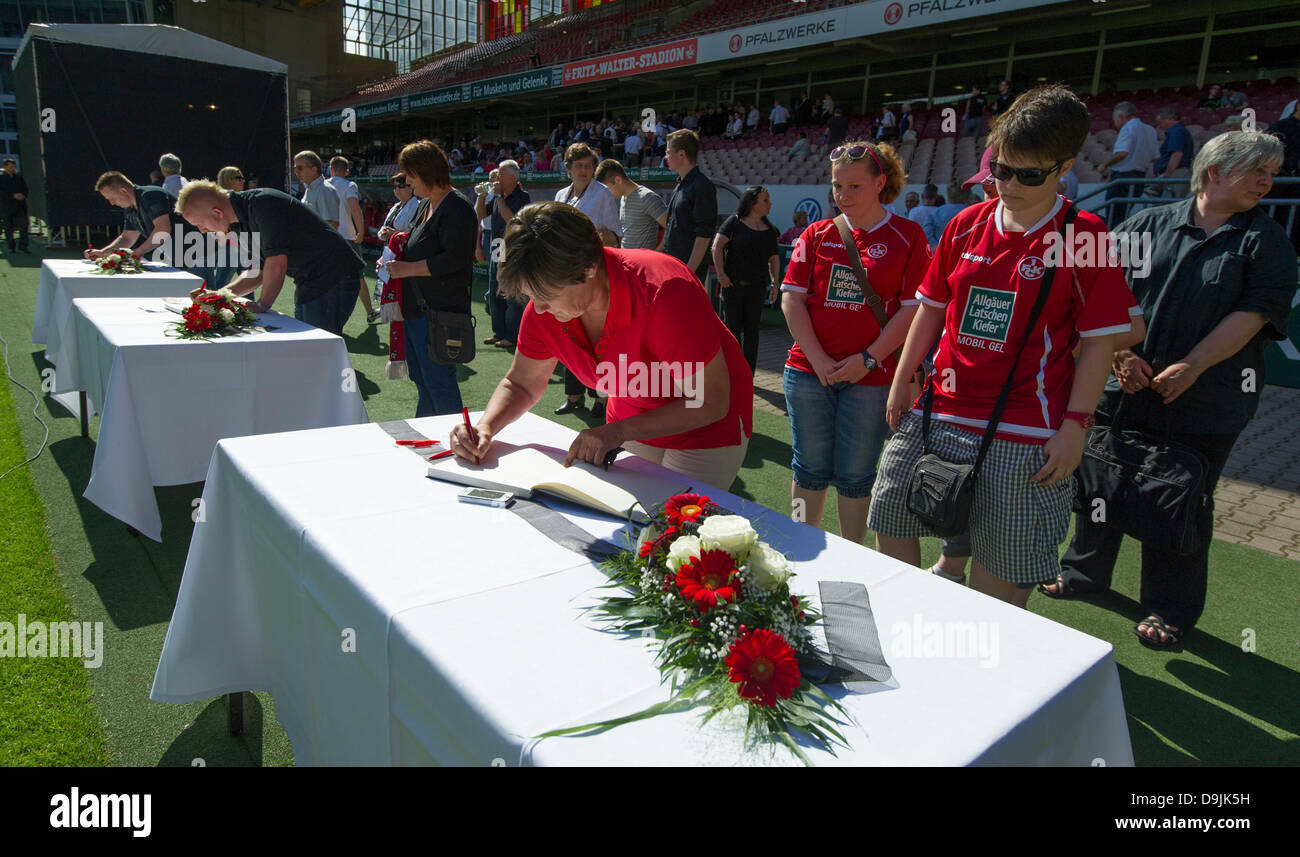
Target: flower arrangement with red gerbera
{"x": 729, "y": 631}
{"x": 119, "y": 262}
{"x": 212, "y": 314}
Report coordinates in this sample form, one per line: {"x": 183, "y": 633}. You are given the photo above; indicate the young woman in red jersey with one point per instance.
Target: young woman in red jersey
{"x": 838, "y": 372}
{"x": 979, "y": 293}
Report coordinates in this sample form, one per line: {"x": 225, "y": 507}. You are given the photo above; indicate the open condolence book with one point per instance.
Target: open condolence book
{"x": 623, "y": 491}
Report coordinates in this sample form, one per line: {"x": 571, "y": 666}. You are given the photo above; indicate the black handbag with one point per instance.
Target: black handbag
{"x": 450, "y": 335}
{"x": 941, "y": 492}
{"x": 1152, "y": 488}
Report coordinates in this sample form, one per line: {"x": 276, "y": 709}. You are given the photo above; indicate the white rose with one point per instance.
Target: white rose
{"x": 682, "y": 549}
{"x": 227, "y": 294}
{"x": 768, "y": 567}
{"x": 730, "y": 533}
{"x": 227, "y": 316}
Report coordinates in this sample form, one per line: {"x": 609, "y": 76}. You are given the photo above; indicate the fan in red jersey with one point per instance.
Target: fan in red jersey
{"x": 979, "y": 293}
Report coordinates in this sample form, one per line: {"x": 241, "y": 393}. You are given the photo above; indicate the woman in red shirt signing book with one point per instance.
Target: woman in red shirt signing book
{"x": 979, "y": 293}
{"x": 635, "y": 325}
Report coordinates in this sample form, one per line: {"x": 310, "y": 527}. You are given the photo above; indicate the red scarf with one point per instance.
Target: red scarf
{"x": 390, "y": 309}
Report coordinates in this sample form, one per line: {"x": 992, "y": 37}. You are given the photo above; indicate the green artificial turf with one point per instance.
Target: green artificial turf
{"x": 1210, "y": 703}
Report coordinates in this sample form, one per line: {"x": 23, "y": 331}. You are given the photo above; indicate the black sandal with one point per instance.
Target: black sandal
{"x": 1065, "y": 590}
{"x": 1171, "y": 635}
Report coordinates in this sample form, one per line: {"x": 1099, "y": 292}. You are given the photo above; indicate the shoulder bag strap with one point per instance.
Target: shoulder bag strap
{"x": 855, "y": 256}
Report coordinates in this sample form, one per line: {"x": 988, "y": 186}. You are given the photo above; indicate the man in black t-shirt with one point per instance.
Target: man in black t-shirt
{"x": 1004, "y": 98}
{"x": 291, "y": 240}
{"x": 974, "y": 112}
{"x": 151, "y": 229}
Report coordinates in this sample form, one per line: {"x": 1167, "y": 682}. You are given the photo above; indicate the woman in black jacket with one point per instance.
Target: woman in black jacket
{"x": 436, "y": 270}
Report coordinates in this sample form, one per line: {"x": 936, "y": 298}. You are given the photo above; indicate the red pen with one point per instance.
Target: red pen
{"x": 443, "y": 454}
{"x": 473, "y": 435}
{"x": 418, "y": 444}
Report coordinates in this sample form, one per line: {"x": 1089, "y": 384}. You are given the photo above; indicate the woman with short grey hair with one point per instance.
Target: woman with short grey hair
{"x": 1215, "y": 287}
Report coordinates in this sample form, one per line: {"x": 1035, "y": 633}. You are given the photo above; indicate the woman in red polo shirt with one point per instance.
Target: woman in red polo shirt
{"x": 633, "y": 324}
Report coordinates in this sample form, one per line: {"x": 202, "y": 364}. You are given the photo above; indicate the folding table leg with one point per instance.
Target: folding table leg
{"x": 85, "y": 415}
{"x": 235, "y": 713}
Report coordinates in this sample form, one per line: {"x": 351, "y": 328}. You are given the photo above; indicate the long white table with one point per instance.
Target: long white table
{"x": 165, "y": 402}
{"x": 65, "y": 280}
{"x": 468, "y": 636}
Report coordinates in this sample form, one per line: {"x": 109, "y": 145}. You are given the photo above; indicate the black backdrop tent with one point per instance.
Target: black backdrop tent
{"x": 124, "y": 94}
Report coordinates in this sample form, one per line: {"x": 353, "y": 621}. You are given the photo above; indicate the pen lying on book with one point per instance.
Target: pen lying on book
{"x": 612, "y": 454}
{"x": 418, "y": 444}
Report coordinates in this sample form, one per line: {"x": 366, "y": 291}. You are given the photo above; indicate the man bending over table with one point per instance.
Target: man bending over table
{"x": 148, "y": 224}
{"x": 292, "y": 240}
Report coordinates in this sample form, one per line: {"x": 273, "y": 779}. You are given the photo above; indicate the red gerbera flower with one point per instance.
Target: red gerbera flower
{"x": 709, "y": 579}
{"x": 111, "y": 263}
{"x": 763, "y": 663}
{"x": 196, "y": 320}
{"x": 684, "y": 508}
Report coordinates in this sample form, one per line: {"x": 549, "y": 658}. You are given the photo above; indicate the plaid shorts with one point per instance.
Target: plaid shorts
{"x": 1016, "y": 526}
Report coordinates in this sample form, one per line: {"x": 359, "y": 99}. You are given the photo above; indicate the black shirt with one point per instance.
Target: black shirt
{"x": 517, "y": 199}
{"x": 975, "y": 106}
{"x": 692, "y": 213}
{"x": 1002, "y": 102}
{"x": 446, "y": 241}
{"x": 1193, "y": 282}
{"x": 836, "y": 130}
{"x": 747, "y": 253}
{"x": 10, "y": 185}
{"x": 151, "y": 202}
{"x": 319, "y": 258}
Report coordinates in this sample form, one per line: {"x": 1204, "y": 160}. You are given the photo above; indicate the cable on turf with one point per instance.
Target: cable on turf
{"x": 36, "y": 405}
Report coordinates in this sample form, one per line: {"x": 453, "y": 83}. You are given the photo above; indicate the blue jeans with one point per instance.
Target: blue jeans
{"x": 331, "y": 309}
{"x": 838, "y": 431}
{"x": 437, "y": 389}
{"x": 506, "y": 314}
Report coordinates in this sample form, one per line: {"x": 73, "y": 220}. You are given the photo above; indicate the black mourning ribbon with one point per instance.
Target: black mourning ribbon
{"x": 854, "y": 655}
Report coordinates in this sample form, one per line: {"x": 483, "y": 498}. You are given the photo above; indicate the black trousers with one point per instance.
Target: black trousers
{"x": 742, "y": 308}
{"x": 16, "y": 215}
{"x": 574, "y": 387}
{"x": 1173, "y": 586}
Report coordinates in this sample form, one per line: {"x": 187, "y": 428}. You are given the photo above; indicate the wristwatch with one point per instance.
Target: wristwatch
{"x": 1085, "y": 420}
{"x": 870, "y": 362}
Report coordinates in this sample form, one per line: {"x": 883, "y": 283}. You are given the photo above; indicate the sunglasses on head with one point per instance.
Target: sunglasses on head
{"x": 1029, "y": 177}
{"x": 855, "y": 153}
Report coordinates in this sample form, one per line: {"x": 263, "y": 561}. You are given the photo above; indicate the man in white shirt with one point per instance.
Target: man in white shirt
{"x": 352, "y": 224}
{"x": 780, "y": 119}
{"x": 173, "y": 181}
{"x": 751, "y": 121}
{"x": 632, "y": 149}
{"x": 316, "y": 194}
{"x": 1136, "y": 146}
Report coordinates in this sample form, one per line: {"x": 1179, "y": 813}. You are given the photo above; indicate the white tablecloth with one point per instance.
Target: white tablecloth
{"x": 166, "y": 402}
{"x": 469, "y": 634}
{"x": 65, "y": 280}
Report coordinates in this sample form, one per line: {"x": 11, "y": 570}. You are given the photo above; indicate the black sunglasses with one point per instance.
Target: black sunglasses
{"x": 400, "y": 185}
{"x": 1029, "y": 177}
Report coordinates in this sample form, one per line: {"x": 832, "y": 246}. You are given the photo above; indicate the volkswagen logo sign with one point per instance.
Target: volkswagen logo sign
{"x": 810, "y": 207}
{"x": 1032, "y": 267}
